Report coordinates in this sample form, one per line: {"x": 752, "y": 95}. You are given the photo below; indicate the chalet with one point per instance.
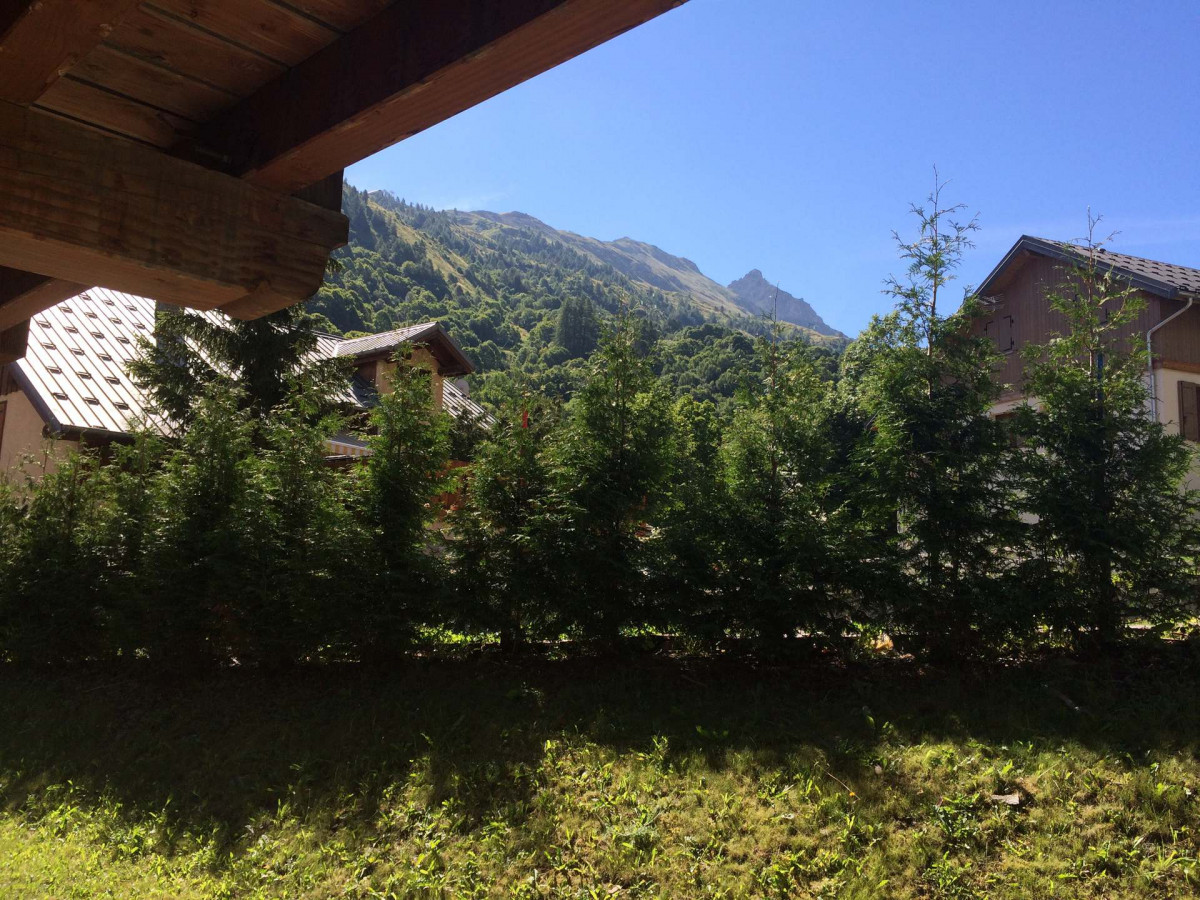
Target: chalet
{"x": 72, "y": 384}
{"x": 1018, "y": 314}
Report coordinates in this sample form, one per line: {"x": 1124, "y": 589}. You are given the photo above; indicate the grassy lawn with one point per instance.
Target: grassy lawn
{"x": 639, "y": 776}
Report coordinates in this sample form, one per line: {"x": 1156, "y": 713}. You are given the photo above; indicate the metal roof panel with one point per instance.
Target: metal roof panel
{"x": 78, "y": 352}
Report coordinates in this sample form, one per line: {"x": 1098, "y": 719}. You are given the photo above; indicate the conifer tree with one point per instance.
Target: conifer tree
{"x": 267, "y": 358}
{"x": 688, "y": 544}
{"x": 577, "y": 329}
{"x": 1115, "y": 535}
{"x": 52, "y": 565}
{"x": 775, "y": 457}
{"x": 205, "y": 538}
{"x": 934, "y": 461}
{"x": 406, "y": 470}
{"x": 509, "y": 545}
{"x": 611, "y": 461}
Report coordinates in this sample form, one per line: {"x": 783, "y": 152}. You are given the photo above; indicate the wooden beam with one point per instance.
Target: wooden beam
{"x": 326, "y": 193}
{"x": 413, "y": 65}
{"x": 42, "y": 39}
{"x": 24, "y": 294}
{"x": 92, "y": 209}
{"x": 13, "y": 342}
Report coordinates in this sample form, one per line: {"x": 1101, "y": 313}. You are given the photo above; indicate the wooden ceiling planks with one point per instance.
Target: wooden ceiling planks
{"x": 113, "y": 113}
{"x": 412, "y": 66}
{"x": 42, "y": 39}
{"x": 276, "y": 31}
{"x": 153, "y": 85}
{"x": 173, "y": 44}
{"x": 343, "y": 15}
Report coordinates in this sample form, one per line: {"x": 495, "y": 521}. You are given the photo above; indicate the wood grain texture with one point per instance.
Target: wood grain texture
{"x": 91, "y": 209}
{"x": 114, "y": 112}
{"x": 415, "y": 64}
{"x": 23, "y": 294}
{"x": 174, "y": 45}
{"x": 1022, "y": 294}
{"x": 143, "y": 81}
{"x": 40, "y": 40}
{"x": 270, "y": 29}
{"x": 344, "y": 15}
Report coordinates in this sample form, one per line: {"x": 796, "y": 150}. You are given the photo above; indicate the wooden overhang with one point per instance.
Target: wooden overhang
{"x": 192, "y": 150}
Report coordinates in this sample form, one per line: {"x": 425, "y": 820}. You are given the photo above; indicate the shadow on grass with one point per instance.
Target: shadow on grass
{"x": 222, "y": 751}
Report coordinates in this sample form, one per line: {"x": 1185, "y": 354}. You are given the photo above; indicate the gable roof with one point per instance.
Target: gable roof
{"x": 1166, "y": 280}
{"x": 74, "y": 368}
{"x": 432, "y": 334}
{"x": 74, "y": 371}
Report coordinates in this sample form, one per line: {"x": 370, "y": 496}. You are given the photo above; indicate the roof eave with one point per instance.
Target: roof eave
{"x": 1053, "y": 251}
{"x": 35, "y": 398}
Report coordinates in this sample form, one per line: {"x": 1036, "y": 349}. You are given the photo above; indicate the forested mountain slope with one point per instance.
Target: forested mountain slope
{"x": 527, "y": 301}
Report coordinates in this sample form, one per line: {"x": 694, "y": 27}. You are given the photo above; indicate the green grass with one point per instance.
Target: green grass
{"x": 639, "y": 776}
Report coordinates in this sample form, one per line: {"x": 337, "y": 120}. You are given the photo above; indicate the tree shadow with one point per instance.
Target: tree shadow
{"x": 222, "y": 752}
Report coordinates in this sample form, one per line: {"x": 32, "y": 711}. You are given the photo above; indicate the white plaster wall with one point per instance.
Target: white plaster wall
{"x": 24, "y": 452}
{"x": 1166, "y": 389}
{"x": 1007, "y": 406}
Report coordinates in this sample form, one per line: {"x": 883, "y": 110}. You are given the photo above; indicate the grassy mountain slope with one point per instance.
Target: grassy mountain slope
{"x": 642, "y": 263}
{"x": 527, "y": 302}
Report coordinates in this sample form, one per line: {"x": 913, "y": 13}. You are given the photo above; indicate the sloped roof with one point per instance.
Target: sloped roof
{"x": 388, "y": 340}
{"x": 74, "y": 368}
{"x": 459, "y": 404}
{"x": 453, "y": 360}
{"x": 1166, "y": 280}
{"x": 74, "y": 371}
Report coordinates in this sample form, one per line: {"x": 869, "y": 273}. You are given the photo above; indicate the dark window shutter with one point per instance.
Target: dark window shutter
{"x": 1189, "y": 410}
{"x": 1010, "y": 339}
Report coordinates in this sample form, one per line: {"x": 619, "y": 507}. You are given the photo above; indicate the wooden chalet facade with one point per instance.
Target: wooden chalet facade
{"x": 1018, "y": 314}
{"x": 72, "y": 385}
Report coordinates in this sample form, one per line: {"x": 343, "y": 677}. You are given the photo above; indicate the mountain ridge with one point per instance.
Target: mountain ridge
{"x": 661, "y": 269}
{"x": 528, "y": 303}
{"x": 760, "y": 296}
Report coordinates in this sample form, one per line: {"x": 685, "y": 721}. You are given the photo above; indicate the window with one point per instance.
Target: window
{"x": 1189, "y": 410}
{"x": 1002, "y": 332}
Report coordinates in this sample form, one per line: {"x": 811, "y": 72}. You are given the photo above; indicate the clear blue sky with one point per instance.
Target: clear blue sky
{"x": 791, "y": 136}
